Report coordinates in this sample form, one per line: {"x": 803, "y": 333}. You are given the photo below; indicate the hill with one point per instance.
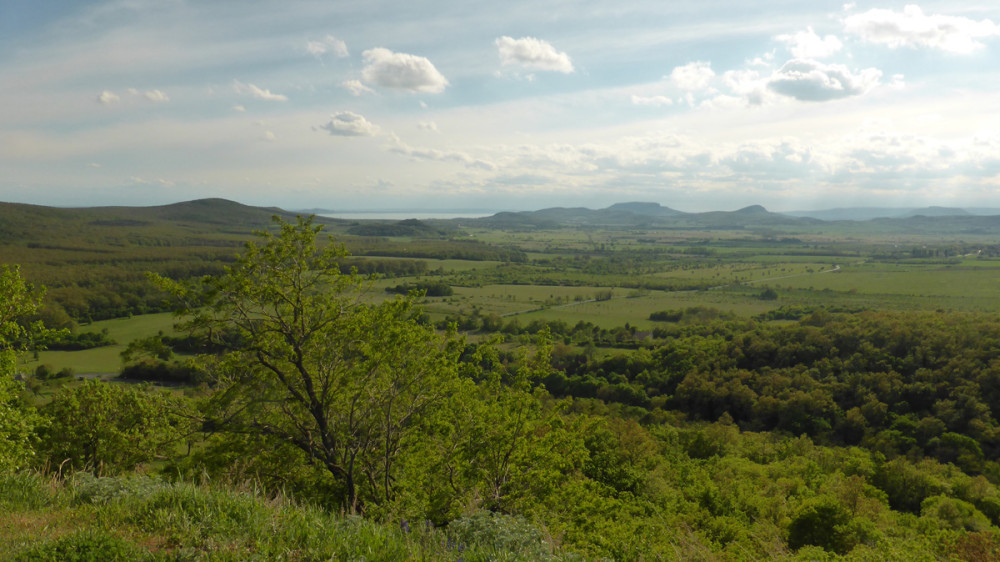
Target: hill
{"x": 936, "y": 212}
{"x": 94, "y": 260}
{"x": 639, "y": 215}
{"x": 409, "y": 227}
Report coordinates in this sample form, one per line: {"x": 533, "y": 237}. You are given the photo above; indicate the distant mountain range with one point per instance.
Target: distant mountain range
{"x": 868, "y": 213}
{"x": 27, "y": 222}
{"x": 757, "y": 219}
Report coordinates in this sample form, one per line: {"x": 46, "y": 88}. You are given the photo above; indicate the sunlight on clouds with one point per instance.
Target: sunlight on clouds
{"x": 401, "y": 71}
{"x": 654, "y": 101}
{"x": 693, "y": 76}
{"x": 808, "y": 45}
{"x": 912, "y": 28}
{"x": 533, "y": 53}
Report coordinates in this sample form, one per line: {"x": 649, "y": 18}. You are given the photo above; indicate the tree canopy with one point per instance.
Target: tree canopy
{"x": 311, "y": 364}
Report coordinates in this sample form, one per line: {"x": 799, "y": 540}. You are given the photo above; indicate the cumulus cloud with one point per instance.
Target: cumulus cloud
{"x": 350, "y": 124}
{"x": 808, "y": 45}
{"x": 156, "y": 96}
{"x": 693, "y": 76}
{"x": 651, "y": 100}
{"x": 328, "y": 44}
{"x": 259, "y": 93}
{"x": 428, "y": 126}
{"x": 108, "y": 98}
{"x": 401, "y": 71}
{"x": 809, "y": 80}
{"x": 533, "y": 53}
{"x": 912, "y": 28}
{"x": 356, "y": 87}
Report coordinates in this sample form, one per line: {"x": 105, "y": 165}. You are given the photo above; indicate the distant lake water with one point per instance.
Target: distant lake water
{"x": 403, "y": 215}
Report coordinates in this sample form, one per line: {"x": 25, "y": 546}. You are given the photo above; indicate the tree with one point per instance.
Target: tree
{"x": 821, "y": 521}
{"x": 315, "y": 366}
{"x": 18, "y": 301}
{"x": 108, "y": 428}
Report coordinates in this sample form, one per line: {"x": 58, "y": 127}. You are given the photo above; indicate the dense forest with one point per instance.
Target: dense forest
{"x": 314, "y": 421}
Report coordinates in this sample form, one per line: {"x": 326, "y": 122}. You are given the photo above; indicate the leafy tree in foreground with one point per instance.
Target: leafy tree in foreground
{"x": 313, "y": 366}
{"x": 17, "y": 302}
{"x": 108, "y": 428}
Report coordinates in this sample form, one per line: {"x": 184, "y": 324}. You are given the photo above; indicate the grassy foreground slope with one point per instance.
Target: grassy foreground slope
{"x": 139, "y": 518}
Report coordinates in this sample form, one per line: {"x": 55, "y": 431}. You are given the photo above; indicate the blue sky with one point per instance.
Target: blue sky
{"x": 361, "y": 104}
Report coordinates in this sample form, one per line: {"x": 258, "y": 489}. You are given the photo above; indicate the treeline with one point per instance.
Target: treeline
{"x": 534, "y": 274}
{"x": 435, "y": 249}
{"x": 384, "y": 268}
{"x": 426, "y": 288}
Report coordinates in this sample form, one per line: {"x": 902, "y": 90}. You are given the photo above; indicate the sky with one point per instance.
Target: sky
{"x": 514, "y": 105}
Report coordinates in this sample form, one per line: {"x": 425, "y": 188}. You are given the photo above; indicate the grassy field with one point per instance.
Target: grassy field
{"x": 106, "y": 359}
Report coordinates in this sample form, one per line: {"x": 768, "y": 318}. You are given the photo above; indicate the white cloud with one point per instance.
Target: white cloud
{"x": 808, "y": 45}
{"x": 356, "y": 87}
{"x": 350, "y": 124}
{"x": 401, "y": 71}
{"x": 693, "y": 76}
{"x": 270, "y": 136}
{"x": 328, "y": 44}
{"x": 748, "y": 84}
{"x": 809, "y": 80}
{"x": 108, "y": 98}
{"x": 428, "y": 126}
{"x": 651, "y": 100}
{"x": 239, "y": 108}
{"x": 530, "y": 52}
{"x": 156, "y": 96}
{"x": 259, "y": 93}
{"x": 912, "y": 28}
{"x": 434, "y": 154}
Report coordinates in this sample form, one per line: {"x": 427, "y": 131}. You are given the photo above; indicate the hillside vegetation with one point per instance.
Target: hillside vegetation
{"x": 626, "y": 394}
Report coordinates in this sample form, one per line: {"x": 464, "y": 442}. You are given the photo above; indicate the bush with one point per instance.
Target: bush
{"x": 161, "y": 371}
{"x": 485, "y": 530}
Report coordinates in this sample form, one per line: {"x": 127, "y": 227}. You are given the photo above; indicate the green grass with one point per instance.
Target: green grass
{"x": 106, "y": 359}
{"x": 140, "y": 518}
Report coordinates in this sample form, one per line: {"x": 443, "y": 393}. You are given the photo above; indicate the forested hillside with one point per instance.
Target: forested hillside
{"x": 301, "y": 412}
